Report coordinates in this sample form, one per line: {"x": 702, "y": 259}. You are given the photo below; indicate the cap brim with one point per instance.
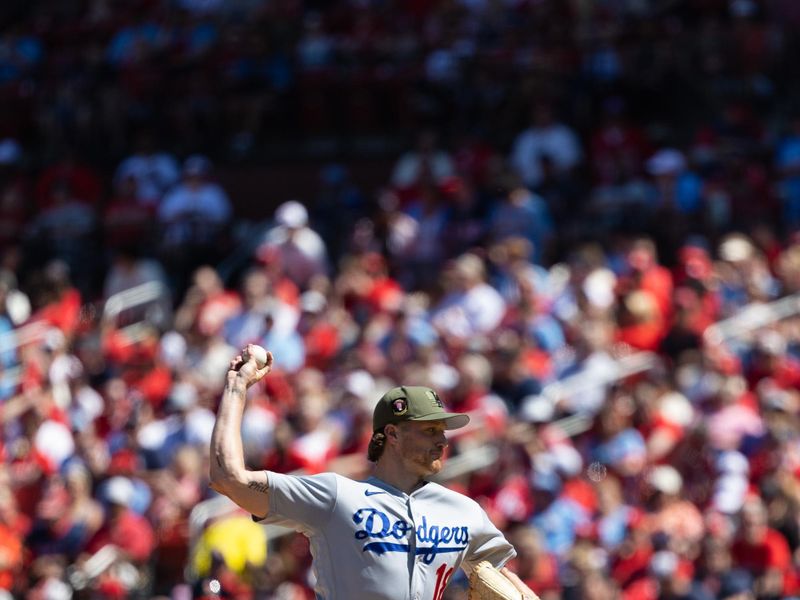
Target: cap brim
{"x": 452, "y": 420}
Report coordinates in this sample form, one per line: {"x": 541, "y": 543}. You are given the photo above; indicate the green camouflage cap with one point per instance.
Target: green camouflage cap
{"x": 413, "y": 403}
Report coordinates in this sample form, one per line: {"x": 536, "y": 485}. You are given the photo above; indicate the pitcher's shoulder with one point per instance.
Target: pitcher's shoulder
{"x": 439, "y": 492}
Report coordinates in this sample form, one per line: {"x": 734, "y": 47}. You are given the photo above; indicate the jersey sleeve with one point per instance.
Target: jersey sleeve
{"x": 303, "y": 503}
{"x": 487, "y": 543}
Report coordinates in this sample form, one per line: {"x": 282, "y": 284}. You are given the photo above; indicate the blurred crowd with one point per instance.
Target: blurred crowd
{"x": 590, "y": 186}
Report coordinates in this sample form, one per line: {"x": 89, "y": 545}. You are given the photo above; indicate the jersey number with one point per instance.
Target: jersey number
{"x": 442, "y": 578}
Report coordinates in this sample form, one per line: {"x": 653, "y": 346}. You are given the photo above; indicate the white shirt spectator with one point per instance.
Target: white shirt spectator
{"x": 154, "y": 174}
{"x": 195, "y": 203}
{"x": 129, "y": 272}
{"x": 300, "y": 249}
{"x": 555, "y": 140}
{"x": 249, "y": 327}
{"x": 426, "y": 159}
{"x": 410, "y": 166}
{"x": 470, "y": 312}
{"x": 473, "y": 307}
{"x": 208, "y": 202}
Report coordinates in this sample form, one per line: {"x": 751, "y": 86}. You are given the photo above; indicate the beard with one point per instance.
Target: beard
{"x": 426, "y": 463}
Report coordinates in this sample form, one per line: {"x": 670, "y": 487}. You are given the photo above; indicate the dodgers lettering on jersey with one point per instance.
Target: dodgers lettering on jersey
{"x": 374, "y": 542}
{"x": 437, "y": 539}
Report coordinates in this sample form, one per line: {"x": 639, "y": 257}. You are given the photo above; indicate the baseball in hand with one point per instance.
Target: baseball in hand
{"x": 258, "y": 353}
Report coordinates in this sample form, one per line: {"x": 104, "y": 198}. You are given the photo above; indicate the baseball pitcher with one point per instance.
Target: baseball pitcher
{"x": 394, "y": 536}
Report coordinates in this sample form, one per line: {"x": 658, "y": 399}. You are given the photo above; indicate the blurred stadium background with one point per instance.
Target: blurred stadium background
{"x": 577, "y": 219}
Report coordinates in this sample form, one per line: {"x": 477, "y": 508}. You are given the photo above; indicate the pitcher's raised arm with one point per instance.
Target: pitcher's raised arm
{"x": 228, "y": 474}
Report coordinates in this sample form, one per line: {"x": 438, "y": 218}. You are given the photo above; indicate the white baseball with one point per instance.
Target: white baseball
{"x": 258, "y": 353}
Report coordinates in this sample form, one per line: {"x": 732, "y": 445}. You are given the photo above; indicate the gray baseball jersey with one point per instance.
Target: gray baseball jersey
{"x": 371, "y": 541}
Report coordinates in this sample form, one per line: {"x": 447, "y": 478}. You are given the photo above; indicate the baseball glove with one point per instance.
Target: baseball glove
{"x": 487, "y": 583}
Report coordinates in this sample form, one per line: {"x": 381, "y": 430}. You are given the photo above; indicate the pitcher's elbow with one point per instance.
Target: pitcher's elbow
{"x": 222, "y": 480}
{"x": 215, "y": 483}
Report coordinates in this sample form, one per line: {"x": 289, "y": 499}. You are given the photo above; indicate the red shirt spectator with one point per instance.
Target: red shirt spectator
{"x": 10, "y": 557}
{"x": 62, "y": 311}
{"x": 762, "y": 550}
{"x": 320, "y": 336}
{"x": 647, "y": 275}
{"x": 533, "y": 564}
{"x": 641, "y": 325}
{"x": 128, "y": 531}
{"x": 81, "y": 179}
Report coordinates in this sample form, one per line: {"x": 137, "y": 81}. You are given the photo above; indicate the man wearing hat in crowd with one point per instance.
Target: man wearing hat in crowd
{"x": 298, "y": 248}
{"x": 395, "y": 535}
{"x": 193, "y": 219}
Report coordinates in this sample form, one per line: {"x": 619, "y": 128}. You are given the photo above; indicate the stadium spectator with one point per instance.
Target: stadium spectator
{"x": 470, "y": 306}
{"x": 193, "y": 217}
{"x": 294, "y": 246}
{"x": 548, "y": 137}
{"x": 426, "y": 164}
{"x": 153, "y": 171}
